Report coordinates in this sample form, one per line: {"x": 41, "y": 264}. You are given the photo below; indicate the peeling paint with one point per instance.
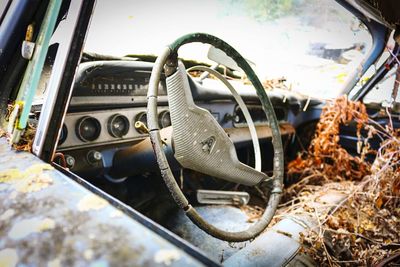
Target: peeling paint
{"x": 8, "y": 257}
{"x": 38, "y": 168}
{"x": 88, "y": 254}
{"x": 54, "y": 263}
{"x": 13, "y": 174}
{"x": 47, "y": 224}
{"x": 35, "y": 183}
{"x": 10, "y": 175}
{"x": 167, "y": 256}
{"x": 91, "y": 202}
{"x": 7, "y": 215}
{"x": 26, "y": 227}
{"x": 116, "y": 214}
{"x": 31, "y": 180}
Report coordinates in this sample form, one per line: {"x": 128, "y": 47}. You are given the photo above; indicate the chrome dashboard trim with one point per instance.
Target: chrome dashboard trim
{"x": 94, "y": 100}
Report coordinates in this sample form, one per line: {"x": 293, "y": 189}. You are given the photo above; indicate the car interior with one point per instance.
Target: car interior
{"x": 188, "y": 144}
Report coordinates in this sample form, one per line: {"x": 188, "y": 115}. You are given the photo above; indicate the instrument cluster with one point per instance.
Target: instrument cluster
{"x": 85, "y": 129}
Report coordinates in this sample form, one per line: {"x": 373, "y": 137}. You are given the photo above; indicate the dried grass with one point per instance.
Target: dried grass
{"x": 364, "y": 228}
{"x": 28, "y": 134}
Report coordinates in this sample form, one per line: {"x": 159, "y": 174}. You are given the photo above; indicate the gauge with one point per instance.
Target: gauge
{"x": 142, "y": 117}
{"x": 164, "y": 119}
{"x": 118, "y": 125}
{"x": 88, "y": 129}
{"x": 63, "y": 135}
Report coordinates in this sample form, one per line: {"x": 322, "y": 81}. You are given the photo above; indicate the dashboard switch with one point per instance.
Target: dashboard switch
{"x": 93, "y": 157}
{"x": 141, "y": 127}
{"x": 69, "y": 161}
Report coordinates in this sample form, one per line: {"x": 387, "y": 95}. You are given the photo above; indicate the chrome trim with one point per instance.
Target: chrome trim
{"x": 94, "y": 100}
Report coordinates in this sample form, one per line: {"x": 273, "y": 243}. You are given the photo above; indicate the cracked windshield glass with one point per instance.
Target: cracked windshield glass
{"x": 309, "y": 47}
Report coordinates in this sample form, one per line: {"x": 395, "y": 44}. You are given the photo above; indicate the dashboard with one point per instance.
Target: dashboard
{"x": 107, "y": 112}
{"x": 108, "y": 98}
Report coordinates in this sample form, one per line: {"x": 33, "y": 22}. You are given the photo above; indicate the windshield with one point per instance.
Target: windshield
{"x": 313, "y": 45}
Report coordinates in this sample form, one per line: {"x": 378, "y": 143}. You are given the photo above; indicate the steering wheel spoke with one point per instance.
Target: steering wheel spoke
{"x": 200, "y": 143}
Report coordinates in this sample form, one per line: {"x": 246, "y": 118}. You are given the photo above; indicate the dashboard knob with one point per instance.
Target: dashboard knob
{"x": 69, "y": 161}
{"x": 93, "y": 157}
{"x": 141, "y": 123}
{"x": 141, "y": 127}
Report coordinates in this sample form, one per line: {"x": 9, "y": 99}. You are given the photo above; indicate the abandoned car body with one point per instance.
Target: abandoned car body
{"x": 159, "y": 160}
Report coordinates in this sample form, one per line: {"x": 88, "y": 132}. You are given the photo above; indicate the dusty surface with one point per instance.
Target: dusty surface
{"x": 46, "y": 219}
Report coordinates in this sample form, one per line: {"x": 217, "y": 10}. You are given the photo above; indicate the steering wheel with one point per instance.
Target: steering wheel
{"x": 201, "y": 144}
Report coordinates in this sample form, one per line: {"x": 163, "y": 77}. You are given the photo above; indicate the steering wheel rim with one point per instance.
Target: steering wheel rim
{"x": 168, "y": 58}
